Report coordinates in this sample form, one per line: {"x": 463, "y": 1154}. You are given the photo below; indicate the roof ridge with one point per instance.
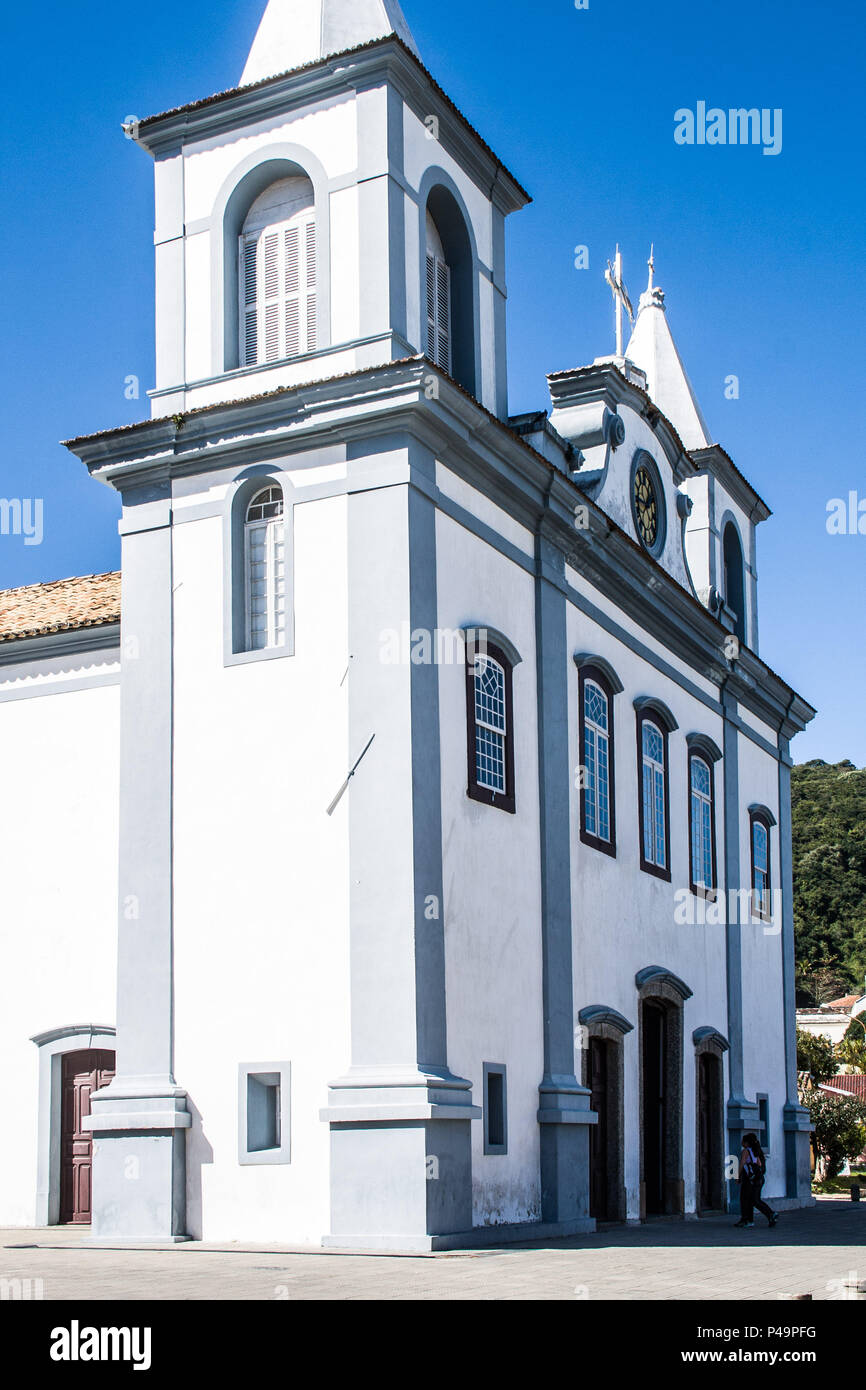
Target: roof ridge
{"x": 52, "y": 583}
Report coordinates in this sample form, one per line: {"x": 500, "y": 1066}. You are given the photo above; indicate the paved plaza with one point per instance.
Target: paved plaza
{"x": 818, "y": 1252}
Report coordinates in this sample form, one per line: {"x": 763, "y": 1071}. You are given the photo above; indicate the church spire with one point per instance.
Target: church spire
{"x": 295, "y": 32}
{"x": 653, "y": 349}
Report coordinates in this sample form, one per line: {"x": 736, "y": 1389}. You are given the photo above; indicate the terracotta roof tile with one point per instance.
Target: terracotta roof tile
{"x": 66, "y": 605}
{"x": 854, "y": 1085}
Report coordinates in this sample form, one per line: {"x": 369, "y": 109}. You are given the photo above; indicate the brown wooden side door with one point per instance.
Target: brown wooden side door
{"x": 83, "y": 1073}
{"x": 598, "y": 1134}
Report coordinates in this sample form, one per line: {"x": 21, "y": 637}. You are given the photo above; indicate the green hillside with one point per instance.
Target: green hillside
{"x": 829, "y": 833}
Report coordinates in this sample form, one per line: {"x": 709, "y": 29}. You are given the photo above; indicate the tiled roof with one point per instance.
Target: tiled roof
{"x": 854, "y": 1085}
{"x": 846, "y": 1002}
{"x": 66, "y": 605}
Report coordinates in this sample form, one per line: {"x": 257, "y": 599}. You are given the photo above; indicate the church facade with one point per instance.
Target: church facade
{"x": 399, "y": 848}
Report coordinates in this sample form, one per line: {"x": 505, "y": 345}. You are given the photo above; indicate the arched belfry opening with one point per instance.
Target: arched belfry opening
{"x": 274, "y": 305}
{"x": 735, "y": 582}
{"x": 448, "y": 321}
{"x": 277, "y": 274}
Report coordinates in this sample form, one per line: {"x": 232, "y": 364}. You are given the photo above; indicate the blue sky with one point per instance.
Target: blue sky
{"x": 760, "y": 257}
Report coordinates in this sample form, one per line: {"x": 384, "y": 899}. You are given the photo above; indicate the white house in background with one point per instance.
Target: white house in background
{"x": 834, "y": 1019}
{"x": 434, "y": 769}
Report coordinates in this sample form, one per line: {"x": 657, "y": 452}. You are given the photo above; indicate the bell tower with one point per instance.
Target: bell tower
{"x": 321, "y": 230}
{"x": 370, "y": 173}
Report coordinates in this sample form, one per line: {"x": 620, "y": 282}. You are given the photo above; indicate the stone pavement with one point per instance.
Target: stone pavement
{"x": 815, "y": 1251}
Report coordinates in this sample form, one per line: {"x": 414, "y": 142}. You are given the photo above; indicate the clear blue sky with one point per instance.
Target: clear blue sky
{"x": 761, "y": 258}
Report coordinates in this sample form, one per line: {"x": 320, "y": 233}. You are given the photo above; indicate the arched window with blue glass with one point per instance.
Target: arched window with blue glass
{"x": 703, "y": 864}
{"x": 654, "y": 724}
{"x": 490, "y": 714}
{"x": 761, "y": 821}
{"x": 597, "y": 689}
{"x": 701, "y": 826}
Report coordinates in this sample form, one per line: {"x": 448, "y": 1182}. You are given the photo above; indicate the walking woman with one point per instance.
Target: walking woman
{"x": 753, "y": 1168}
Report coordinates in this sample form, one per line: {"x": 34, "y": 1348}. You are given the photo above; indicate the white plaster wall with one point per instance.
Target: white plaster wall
{"x": 656, "y": 648}
{"x": 700, "y": 541}
{"x": 187, "y": 191}
{"x": 58, "y": 887}
{"x": 624, "y": 918}
{"x": 492, "y": 882}
{"x": 763, "y": 1000}
{"x": 261, "y": 878}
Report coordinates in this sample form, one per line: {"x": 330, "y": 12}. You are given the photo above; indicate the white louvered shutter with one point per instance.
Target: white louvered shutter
{"x": 438, "y": 312}
{"x": 278, "y": 292}
{"x": 312, "y": 300}
{"x": 249, "y": 301}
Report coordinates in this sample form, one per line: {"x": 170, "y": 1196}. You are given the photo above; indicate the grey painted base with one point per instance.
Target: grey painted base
{"x": 479, "y": 1237}
{"x": 400, "y": 1183}
{"x": 116, "y": 1243}
{"x": 139, "y": 1181}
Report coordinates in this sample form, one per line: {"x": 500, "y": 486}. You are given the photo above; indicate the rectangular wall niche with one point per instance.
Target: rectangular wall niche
{"x": 264, "y": 1112}
{"x": 764, "y": 1122}
{"x": 495, "y": 1111}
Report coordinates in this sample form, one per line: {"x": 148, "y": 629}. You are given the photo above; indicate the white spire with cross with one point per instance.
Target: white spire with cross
{"x": 653, "y": 350}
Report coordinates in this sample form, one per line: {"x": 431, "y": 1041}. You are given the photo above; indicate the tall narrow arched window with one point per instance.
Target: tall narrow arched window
{"x": 438, "y": 299}
{"x": 653, "y": 802}
{"x": 735, "y": 580}
{"x": 597, "y": 800}
{"x": 265, "y": 570}
{"x": 278, "y": 274}
{"x": 761, "y": 881}
{"x": 702, "y": 839}
{"x": 490, "y": 727}
{"x": 449, "y": 315}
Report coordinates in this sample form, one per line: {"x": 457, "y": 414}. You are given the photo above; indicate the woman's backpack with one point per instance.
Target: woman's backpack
{"x": 753, "y": 1168}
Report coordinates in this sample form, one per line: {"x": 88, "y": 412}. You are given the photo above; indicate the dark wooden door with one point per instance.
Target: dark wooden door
{"x": 83, "y": 1073}
{"x": 599, "y": 1133}
{"x": 705, "y": 1131}
{"x": 654, "y": 1106}
{"x": 710, "y": 1137}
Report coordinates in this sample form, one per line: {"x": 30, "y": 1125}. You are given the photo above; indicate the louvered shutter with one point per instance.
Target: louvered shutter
{"x": 292, "y": 248}
{"x": 443, "y": 314}
{"x": 431, "y": 307}
{"x": 249, "y": 302}
{"x": 312, "y": 300}
{"x": 271, "y": 243}
{"x": 279, "y": 292}
{"x": 438, "y": 312}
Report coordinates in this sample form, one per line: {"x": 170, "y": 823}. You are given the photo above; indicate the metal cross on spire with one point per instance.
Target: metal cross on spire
{"x": 652, "y": 267}
{"x": 613, "y": 276}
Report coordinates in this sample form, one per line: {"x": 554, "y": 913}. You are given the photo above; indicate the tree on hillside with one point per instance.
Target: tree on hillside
{"x": 829, "y": 848}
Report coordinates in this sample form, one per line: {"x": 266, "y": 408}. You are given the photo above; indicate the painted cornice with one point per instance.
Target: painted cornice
{"x": 483, "y": 450}
{"x": 381, "y": 61}
{"x": 603, "y": 381}
{"x": 49, "y": 646}
{"x": 715, "y": 460}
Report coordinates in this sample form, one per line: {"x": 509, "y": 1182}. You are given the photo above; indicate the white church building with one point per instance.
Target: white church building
{"x": 397, "y": 854}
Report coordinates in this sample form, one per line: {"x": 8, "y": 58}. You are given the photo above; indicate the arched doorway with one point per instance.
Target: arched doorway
{"x": 74, "y": 1061}
{"x": 710, "y": 1047}
{"x": 662, "y": 996}
{"x": 603, "y": 1075}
